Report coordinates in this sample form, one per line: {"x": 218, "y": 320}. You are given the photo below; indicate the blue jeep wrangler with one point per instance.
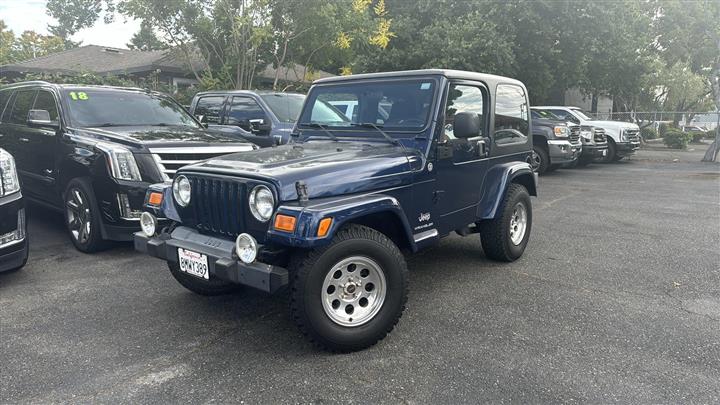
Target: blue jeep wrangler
{"x": 329, "y": 214}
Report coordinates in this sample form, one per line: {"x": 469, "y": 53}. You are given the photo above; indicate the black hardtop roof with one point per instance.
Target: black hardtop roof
{"x": 450, "y": 74}
{"x": 258, "y": 92}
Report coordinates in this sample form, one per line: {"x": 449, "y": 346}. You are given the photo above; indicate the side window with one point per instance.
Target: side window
{"x": 4, "y": 98}
{"x": 22, "y": 105}
{"x": 243, "y": 109}
{"x": 511, "y": 115}
{"x": 210, "y": 107}
{"x": 46, "y": 101}
{"x": 462, "y": 98}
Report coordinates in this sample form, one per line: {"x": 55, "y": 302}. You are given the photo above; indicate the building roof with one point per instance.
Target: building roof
{"x": 101, "y": 60}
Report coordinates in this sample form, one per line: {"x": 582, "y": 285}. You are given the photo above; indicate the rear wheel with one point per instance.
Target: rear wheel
{"x": 199, "y": 286}
{"x": 349, "y": 295}
{"x": 505, "y": 237}
{"x": 82, "y": 216}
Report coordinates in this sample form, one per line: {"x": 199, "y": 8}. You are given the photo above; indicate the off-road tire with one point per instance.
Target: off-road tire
{"x": 308, "y": 272}
{"x": 544, "y": 156}
{"x": 94, "y": 242}
{"x": 495, "y": 233}
{"x": 200, "y": 286}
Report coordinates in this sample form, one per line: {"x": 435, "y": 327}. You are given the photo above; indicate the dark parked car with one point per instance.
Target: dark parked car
{"x": 593, "y": 140}
{"x": 265, "y": 118}
{"x": 328, "y": 215}
{"x": 554, "y": 142}
{"x": 13, "y": 234}
{"x": 91, "y": 151}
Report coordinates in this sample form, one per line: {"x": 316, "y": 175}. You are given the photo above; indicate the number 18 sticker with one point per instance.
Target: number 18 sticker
{"x": 80, "y": 95}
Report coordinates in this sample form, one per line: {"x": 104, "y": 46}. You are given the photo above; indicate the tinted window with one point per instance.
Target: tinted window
{"x": 103, "y": 107}
{"x": 4, "y": 98}
{"x": 23, "y": 103}
{"x": 544, "y": 114}
{"x": 511, "y": 115}
{"x": 243, "y": 109}
{"x": 462, "y": 98}
{"x": 46, "y": 101}
{"x": 210, "y": 107}
{"x": 399, "y": 105}
{"x": 286, "y": 107}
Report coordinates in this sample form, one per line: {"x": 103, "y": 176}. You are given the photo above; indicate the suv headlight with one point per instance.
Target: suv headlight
{"x": 9, "y": 182}
{"x": 561, "y": 132}
{"x": 182, "y": 190}
{"x": 262, "y": 203}
{"x": 121, "y": 161}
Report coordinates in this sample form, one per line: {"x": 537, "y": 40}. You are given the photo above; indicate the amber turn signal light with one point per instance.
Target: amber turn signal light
{"x": 284, "y": 223}
{"x": 324, "y": 227}
{"x": 155, "y": 199}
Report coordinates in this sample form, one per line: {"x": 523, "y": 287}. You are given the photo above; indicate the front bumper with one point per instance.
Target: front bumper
{"x": 627, "y": 148}
{"x": 563, "y": 151}
{"x": 594, "y": 151}
{"x": 13, "y": 253}
{"x": 222, "y": 263}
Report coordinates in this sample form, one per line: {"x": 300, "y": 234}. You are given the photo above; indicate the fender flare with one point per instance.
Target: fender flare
{"x": 496, "y": 184}
{"x": 342, "y": 212}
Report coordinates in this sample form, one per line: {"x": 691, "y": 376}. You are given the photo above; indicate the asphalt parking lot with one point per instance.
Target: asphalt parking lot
{"x": 617, "y": 299}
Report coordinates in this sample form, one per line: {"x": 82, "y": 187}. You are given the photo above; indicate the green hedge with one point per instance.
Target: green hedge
{"x": 675, "y": 139}
{"x": 648, "y": 133}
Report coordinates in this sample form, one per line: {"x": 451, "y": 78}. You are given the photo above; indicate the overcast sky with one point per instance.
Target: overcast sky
{"x": 24, "y": 15}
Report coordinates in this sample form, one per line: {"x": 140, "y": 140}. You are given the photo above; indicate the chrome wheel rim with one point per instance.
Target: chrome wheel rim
{"x": 78, "y": 215}
{"x": 353, "y": 291}
{"x": 518, "y": 223}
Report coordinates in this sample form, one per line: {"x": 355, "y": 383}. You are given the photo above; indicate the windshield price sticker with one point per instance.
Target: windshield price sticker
{"x": 80, "y": 95}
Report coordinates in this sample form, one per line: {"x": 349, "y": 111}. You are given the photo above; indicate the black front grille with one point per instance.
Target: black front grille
{"x": 574, "y": 133}
{"x": 599, "y": 135}
{"x": 218, "y": 205}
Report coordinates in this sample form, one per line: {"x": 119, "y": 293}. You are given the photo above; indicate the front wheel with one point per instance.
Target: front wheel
{"x": 540, "y": 160}
{"x": 349, "y": 295}
{"x": 82, "y": 216}
{"x": 611, "y": 152}
{"x": 505, "y": 237}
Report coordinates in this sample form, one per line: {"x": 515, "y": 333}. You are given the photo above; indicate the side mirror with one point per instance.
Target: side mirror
{"x": 259, "y": 125}
{"x": 467, "y": 125}
{"x": 41, "y": 118}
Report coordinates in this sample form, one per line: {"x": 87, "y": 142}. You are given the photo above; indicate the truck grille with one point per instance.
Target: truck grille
{"x": 574, "y": 134}
{"x": 218, "y": 205}
{"x": 632, "y": 135}
{"x": 169, "y": 160}
{"x": 599, "y": 135}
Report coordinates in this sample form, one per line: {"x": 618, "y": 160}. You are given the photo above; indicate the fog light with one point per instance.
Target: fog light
{"x": 246, "y": 248}
{"x": 148, "y": 224}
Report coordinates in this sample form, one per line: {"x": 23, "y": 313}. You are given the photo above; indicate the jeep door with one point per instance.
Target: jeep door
{"x": 461, "y": 163}
{"x": 510, "y": 137}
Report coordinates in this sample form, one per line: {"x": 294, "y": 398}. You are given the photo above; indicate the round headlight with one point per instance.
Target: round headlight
{"x": 148, "y": 224}
{"x": 261, "y": 203}
{"x": 181, "y": 190}
{"x": 246, "y": 248}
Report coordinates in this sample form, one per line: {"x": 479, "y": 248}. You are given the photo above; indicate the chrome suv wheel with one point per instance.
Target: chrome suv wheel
{"x": 353, "y": 291}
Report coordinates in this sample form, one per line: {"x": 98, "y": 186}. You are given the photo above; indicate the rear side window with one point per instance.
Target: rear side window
{"x": 22, "y": 105}
{"x": 210, "y": 107}
{"x": 4, "y": 98}
{"x": 511, "y": 115}
{"x": 46, "y": 101}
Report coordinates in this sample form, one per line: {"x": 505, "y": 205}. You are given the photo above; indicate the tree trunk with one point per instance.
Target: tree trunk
{"x": 594, "y": 106}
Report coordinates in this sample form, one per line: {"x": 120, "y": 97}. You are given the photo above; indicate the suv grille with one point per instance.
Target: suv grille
{"x": 218, "y": 205}
{"x": 169, "y": 160}
{"x": 632, "y": 135}
{"x": 599, "y": 135}
{"x": 574, "y": 134}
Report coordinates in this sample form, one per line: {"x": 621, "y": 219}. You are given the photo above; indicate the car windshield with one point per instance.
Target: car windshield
{"x": 395, "y": 105}
{"x": 583, "y": 114}
{"x": 115, "y": 108}
{"x": 286, "y": 107}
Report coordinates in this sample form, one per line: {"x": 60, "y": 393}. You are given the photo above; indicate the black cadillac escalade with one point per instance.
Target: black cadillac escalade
{"x": 92, "y": 151}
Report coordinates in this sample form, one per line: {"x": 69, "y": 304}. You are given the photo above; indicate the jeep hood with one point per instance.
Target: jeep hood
{"x": 327, "y": 168}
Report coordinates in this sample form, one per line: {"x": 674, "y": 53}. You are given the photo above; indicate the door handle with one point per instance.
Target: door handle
{"x": 25, "y": 140}
{"x": 483, "y": 150}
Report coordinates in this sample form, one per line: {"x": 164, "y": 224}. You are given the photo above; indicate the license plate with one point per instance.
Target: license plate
{"x": 193, "y": 263}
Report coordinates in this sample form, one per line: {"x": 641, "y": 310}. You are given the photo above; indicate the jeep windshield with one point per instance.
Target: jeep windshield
{"x": 286, "y": 107}
{"x": 394, "y": 105}
{"x": 118, "y": 108}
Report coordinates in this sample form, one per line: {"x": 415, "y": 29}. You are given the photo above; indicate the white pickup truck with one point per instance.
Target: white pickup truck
{"x": 623, "y": 137}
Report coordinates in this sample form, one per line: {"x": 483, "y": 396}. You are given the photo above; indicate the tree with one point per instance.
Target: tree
{"x": 146, "y": 40}
{"x": 74, "y": 15}
{"x": 28, "y": 45}
{"x": 7, "y": 40}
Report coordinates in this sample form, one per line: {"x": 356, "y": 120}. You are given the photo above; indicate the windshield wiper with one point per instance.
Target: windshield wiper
{"x": 323, "y": 128}
{"x": 379, "y": 129}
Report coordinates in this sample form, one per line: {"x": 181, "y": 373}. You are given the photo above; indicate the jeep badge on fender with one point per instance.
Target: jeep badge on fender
{"x": 326, "y": 216}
